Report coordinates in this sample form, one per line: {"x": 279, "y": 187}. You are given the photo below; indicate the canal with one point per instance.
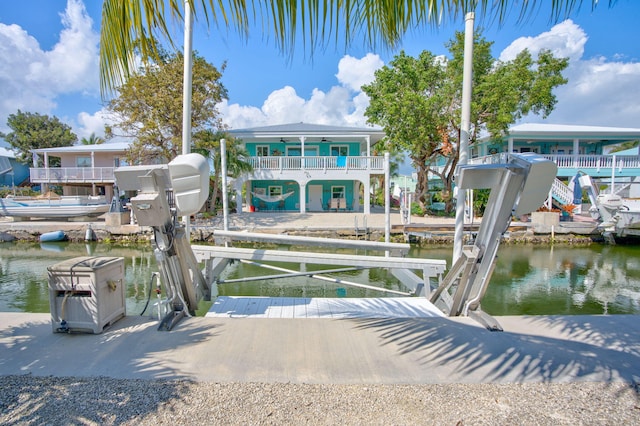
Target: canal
{"x": 528, "y": 280}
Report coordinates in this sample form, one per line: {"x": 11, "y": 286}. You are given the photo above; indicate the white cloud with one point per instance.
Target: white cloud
{"x": 91, "y": 123}
{"x": 31, "y": 78}
{"x": 343, "y": 104}
{"x": 600, "y": 91}
{"x": 565, "y": 40}
{"x": 353, "y": 73}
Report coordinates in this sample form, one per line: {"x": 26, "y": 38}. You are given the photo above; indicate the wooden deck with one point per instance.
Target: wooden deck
{"x": 301, "y": 307}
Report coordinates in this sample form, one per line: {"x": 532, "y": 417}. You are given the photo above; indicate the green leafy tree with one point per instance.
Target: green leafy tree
{"x": 34, "y": 131}
{"x": 133, "y": 26}
{"x": 207, "y": 143}
{"x": 417, "y": 101}
{"x": 148, "y": 107}
{"x": 92, "y": 140}
{"x": 624, "y": 146}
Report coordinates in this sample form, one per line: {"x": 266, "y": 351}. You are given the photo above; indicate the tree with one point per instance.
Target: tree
{"x": 207, "y": 143}
{"x": 624, "y": 146}
{"x": 34, "y": 131}
{"x": 149, "y": 107}
{"x": 133, "y": 27}
{"x": 92, "y": 140}
{"x": 417, "y": 101}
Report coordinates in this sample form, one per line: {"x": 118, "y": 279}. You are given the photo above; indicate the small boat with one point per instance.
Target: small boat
{"x": 53, "y": 206}
{"x": 53, "y": 236}
{"x": 620, "y": 218}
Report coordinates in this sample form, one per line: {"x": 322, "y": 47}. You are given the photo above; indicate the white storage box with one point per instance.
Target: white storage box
{"x": 86, "y": 293}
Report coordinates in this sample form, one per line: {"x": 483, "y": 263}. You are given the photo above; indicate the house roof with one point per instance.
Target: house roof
{"x": 307, "y": 130}
{"x": 103, "y": 147}
{"x": 6, "y": 152}
{"x": 544, "y": 131}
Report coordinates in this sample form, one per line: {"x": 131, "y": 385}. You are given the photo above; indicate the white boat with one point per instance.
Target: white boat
{"x": 620, "y": 217}
{"x": 53, "y": 206}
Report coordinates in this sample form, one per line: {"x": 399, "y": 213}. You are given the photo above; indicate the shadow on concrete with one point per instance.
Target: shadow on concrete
{"x": 565, "y": 349}
{"x": 132, "y": 348}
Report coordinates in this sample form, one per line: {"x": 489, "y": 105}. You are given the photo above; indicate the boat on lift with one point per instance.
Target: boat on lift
{"x": 618, "y": 216}
{"x": 51, "y": 206}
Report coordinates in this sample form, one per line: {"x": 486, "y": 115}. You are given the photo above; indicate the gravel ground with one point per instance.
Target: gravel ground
{"x": 30, "y": 400}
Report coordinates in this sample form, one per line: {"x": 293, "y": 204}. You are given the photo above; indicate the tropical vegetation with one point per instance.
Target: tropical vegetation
{"x": 131, "y": 29}
{"x": 418, "y": 101}
{"x": 34, "y": 131}
{"x": 148, "y": 107}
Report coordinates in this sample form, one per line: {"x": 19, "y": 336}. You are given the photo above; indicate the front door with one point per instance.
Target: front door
{"x": 315, "y": 198}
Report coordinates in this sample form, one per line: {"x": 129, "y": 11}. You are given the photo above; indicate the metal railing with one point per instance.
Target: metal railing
{"x": 580, "y": 162}
{"x": 561, "y": 192}
{"x": 61, "y": 175}
{"x": 318, "y": 163}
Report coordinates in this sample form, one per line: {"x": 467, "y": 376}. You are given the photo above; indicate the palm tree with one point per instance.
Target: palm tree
{"x": 132, "y": 27}
{"x": 92, "y": 140}
{"x": 207, "y": 143}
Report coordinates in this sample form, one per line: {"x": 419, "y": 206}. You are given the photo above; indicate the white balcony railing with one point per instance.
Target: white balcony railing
{"x": 579, "y": 162}
{"x": 318, "y": 163}
{"x": 62, "y": 175}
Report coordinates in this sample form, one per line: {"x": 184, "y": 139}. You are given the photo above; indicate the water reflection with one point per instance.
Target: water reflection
{"x": 527, "y": 279}
{"x": 23, "y": 272}
{"x": 538, "y": 280}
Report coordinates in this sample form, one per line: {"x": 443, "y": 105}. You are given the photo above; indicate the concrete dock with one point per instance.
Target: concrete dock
{"x": 429, "y": 350}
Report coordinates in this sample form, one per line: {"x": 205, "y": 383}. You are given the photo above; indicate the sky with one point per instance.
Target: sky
{"x": 49, "y": 51}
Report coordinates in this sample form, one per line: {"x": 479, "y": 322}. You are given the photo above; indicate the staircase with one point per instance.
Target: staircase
{"x": 561, "y": 193}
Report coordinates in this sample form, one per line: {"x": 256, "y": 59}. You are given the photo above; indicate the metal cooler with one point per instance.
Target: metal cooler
{"x": 86, "y": 293}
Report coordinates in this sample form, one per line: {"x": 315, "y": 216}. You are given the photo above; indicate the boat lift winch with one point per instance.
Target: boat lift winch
{"x": 519, "y": 185}
{"x": 166, "y": 192}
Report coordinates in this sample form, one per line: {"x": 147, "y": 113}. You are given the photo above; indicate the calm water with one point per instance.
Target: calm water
{"x": 527, "y": 279}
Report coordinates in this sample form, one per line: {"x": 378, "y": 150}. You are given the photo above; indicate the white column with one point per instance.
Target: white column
{"x": 367, "y": 196}
{"x": 467, "y": 85}
{"x": 387, "y": 194}
{"x": 303, "y": 197}
{"x": 510, "y": 145}
{"x": 249, "y": 184}
{"x": 576, "y": 152}
{"x": 223, "y": 177}
{"x": 186, "y": 93}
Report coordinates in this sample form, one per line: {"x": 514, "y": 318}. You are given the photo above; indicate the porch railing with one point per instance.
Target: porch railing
{"x": 318, "y": 163}
{"x": 61, "y": 175}
{"x": 596, "y": 162}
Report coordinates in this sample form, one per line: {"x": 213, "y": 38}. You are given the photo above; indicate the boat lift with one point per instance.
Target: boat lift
{"x": 165, "y": 192}
{"x": 518, "y": 186}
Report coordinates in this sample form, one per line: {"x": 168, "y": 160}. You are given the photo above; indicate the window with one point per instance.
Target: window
{"x": 529, "y": 149}
{"x": 83, "y": 161}
{"x": 337, "y": 192}
{"x": 275, "y": 191}
{"x": 339, "y": 150}
{"x": 294, "y": 151}
{"x": 120, "y": 162}
{"x": 311, "y": 151}
{"x": 262, "y": 150}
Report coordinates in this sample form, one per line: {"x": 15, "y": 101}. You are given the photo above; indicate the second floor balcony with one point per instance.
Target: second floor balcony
{"x": 71, "y": 175}
{"x": 332, "y": 163}
{"x": 593, "y": 165}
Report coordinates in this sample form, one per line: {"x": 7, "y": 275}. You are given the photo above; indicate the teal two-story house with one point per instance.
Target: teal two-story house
{"x": 302, "y": 167}
{"x": 575, "y": 149}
